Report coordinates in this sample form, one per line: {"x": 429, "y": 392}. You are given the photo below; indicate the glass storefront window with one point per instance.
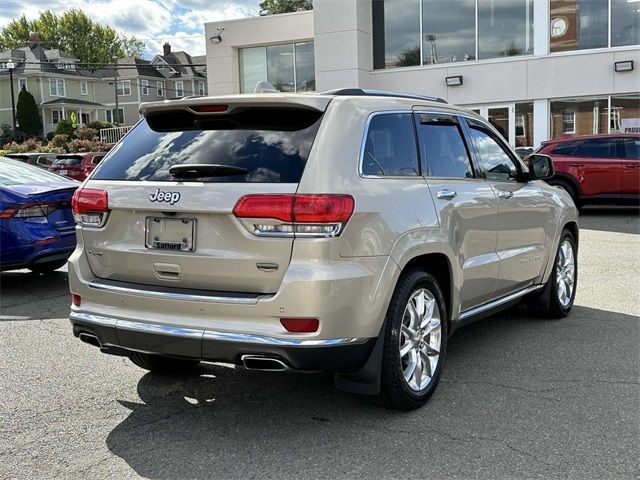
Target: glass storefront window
{"x": 625, "y": 23}
{"x": 305, "y": 67}
{"x": 253, "y": 68}
{"x": 288, "y": 67}
{"x": 280, "y": 67}
{"x": 449, "y": 31}
{"x": 579, "y": 24}
{"x": 524, "y": 124}
{"x": 580, "y": 116}
{"x": 396, "y": 33}
{"x": 505, "y": 28}
{"x": 625, "y": 114}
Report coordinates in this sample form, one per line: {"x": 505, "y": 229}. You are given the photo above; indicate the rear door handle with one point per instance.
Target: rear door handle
{"x": 446, "y": 194}
{"x": 633, "y": 166}
{"x": 576, "y": 165}
{"x": 505, "y": 194}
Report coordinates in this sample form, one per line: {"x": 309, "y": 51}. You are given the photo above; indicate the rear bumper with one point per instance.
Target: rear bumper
{"x": 119, "y": 337}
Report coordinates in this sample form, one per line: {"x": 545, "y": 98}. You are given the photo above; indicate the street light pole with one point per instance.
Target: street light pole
{"x": 115, "y": 83}
{"x": 11, "y": 66}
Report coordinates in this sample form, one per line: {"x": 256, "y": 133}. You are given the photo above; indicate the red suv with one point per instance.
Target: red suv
{"x": 76, "y": 165}
{"x": 597, "y": 168}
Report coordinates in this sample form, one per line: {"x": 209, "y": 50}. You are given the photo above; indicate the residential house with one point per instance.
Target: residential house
{"x": 64, "y": 90}
{"x": 55, "y": 80}
{"x": 168, "y": 76}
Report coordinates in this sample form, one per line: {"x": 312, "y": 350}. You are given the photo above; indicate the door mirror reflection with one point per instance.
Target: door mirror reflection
{"x": 540, "y": 167}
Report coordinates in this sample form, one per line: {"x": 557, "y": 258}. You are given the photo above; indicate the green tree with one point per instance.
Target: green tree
{"x": 75, "y": 33}
{"x": 27, "y": 114}
{"x": 286, "y": 6}
{"x": 409, "y": 56}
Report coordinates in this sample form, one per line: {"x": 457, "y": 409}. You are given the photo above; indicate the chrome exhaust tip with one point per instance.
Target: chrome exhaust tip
{"x": 264, "y": 364}
{"x": 90, "y": 339}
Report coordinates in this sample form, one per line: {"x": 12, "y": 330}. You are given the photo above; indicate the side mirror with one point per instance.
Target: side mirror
{"x": 540, "y": 167}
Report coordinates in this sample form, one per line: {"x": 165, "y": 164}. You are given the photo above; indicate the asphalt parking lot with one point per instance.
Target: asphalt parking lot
{"x": 520, "y": 397}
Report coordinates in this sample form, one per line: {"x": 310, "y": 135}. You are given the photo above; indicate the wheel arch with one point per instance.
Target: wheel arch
{"x": 566, "y": 178}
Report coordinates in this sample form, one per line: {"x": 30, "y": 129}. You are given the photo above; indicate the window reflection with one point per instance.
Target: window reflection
{"x": 449, "y": 31}
{"x": 396, "y": 33}
{"x": 287, "y": 67}
{"x": 625, "y": 23}
{"x": 579, "y": 24}
{"x": 505, "y": 28}
{"x": 497, "y": 165}
{"x": 580, "y": 116}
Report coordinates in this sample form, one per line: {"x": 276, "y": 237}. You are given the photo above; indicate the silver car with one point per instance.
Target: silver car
{"x": 351, "y": 231}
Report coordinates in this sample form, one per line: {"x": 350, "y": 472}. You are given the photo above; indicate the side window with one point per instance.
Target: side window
{"x": 494, "y": 160}
{"x": 96, "y": 160}
{"x": 597, "y": 148}
{"x": 632, "y": 148}
{"x": 442, "y": 148}
{"x": 390, "y": 146}
{"x": 565, "y": 148}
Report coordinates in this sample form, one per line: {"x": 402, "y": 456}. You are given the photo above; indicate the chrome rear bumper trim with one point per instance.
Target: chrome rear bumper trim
{"x": 499, "y": 301}
{"x": 187, "y": 297}
{"x": 208, "y": 335}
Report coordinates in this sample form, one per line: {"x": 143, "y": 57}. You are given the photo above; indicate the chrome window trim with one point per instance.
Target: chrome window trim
{"x": 363, "y": 143}
{"x": 209, "y": 335}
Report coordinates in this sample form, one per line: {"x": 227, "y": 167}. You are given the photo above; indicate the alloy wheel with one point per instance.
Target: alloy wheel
{"x": 565, "y": 273}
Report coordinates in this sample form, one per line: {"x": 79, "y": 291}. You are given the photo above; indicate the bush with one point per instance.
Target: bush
{"x": 86, "y": 133}
{"x": 27, "y": 114}
{"x": 59, "y": 141}
{"x": 29, "y": 145}
{"x": 50, "y": 136}
{"x": 65, "y": 127}
{"x": 98, "y": 125}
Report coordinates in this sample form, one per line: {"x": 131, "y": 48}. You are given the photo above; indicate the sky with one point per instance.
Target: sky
{"x": 181, "y": 23}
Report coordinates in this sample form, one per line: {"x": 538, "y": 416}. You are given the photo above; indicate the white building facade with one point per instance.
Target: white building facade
{"x": 537, "y": 69}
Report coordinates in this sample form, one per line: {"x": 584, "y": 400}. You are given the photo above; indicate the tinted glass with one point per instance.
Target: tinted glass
{"x": 396, "y": 33}
{"x": 442, "y": 148}
{"x": 625, "y": 23}
{"x": 390, "y": 146}
{"x": 272, "y": 144}
{"x": 505, "y": 28}
{"x": 280, "y": 67}
{"x": 449, "y": 31}
{"x": 305, "y": 67}
{"x": 579, "y": 24}
{"x": 253, "y": 68}
{"x": 495, "y": 162}
{"x": 17, "y": 173}
{"x": 68, "y": 161}
{"x": 566, "y": 148}
{"x": 632, "y": 148}
{"x": 598, "y": 148}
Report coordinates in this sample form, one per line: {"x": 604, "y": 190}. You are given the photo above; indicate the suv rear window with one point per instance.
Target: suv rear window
{"x": 68, "y": 161}
{"x": 273, "y": 144}
{"x": 565, "y": 148}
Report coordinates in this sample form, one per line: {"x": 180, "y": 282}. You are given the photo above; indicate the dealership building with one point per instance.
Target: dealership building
{"x": 537, "y": 69}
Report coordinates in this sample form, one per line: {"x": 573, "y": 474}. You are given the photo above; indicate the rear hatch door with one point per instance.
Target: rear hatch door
{"x": 167, "y": 230}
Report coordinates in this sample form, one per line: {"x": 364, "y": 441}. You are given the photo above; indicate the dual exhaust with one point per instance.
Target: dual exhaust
{"x": 250, "y": 362}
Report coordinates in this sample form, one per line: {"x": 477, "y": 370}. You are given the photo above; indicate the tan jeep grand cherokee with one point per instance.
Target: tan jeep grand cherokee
{"x": 351, "y": 231}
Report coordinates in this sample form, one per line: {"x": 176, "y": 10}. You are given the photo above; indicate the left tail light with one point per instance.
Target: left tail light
{"x": 90, "y": 207}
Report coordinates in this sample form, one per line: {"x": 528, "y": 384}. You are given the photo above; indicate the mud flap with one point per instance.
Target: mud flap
{"x": 365, "y": 381}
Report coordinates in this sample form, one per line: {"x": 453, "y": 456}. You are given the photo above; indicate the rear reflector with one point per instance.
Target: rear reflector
{"x": 210, "y": 108}
{"x": 300, "y": 325}
{"x": 76, "y": 300}
{"x": 296, "y": 208}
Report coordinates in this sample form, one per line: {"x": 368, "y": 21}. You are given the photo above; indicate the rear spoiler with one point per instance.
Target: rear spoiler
{"x": 214, "y": 105}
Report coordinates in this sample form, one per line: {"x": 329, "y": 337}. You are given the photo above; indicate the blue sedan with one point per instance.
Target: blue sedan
{"x": 37, "y": 230}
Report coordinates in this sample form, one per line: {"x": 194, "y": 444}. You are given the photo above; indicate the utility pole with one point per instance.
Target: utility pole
{"x": 11, "y": 66}
{"x": 115, "y": 86}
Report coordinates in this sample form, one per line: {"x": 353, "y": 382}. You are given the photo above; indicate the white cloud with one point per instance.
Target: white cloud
{"x": 181, "y": 22}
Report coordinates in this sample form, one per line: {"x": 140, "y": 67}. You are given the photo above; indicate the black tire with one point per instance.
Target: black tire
{"x": 47, "y": 267}
{"x": 556, "y": 309}
{"x": 164, "y": 365}
{"x": 395, "y": 391}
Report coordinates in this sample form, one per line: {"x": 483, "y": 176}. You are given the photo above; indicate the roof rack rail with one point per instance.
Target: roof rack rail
{"x": 380, "y": 93}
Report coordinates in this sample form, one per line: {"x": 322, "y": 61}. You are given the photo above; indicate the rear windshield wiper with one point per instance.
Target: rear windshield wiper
{"x": 198, "y": 170}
